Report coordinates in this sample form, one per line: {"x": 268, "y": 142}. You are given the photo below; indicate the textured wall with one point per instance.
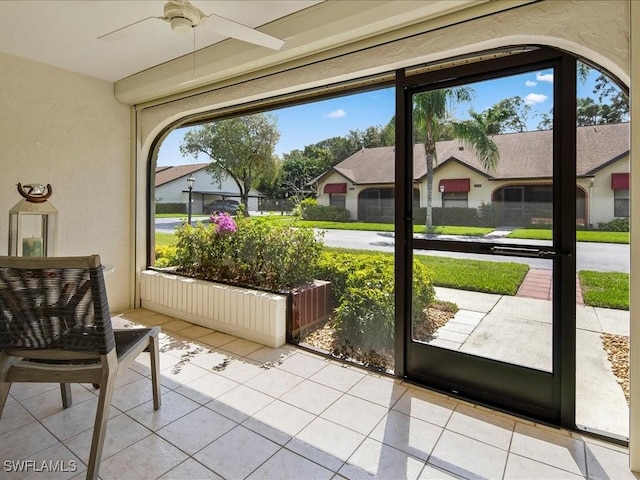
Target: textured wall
{"x": 68, "y": 130}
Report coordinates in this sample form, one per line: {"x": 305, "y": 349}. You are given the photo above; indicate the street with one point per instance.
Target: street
{"x": 604, "y": 257}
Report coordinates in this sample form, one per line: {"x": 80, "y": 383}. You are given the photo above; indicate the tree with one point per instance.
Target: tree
{"x": 296, "y": 172}
{"x": 612, "y": 105}
{"x": 241, "y": 148}
{"x": 507, "y": 116}
{"x": 432, "y": 117}
{"x": 335, "y": 149}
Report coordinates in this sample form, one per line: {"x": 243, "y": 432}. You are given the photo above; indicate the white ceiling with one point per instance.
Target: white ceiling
{"x": 65, "y": 33}
{"x": 153, "y": 61}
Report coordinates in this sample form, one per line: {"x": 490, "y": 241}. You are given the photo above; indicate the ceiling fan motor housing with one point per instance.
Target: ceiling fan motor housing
{"x": 182, "y": 15}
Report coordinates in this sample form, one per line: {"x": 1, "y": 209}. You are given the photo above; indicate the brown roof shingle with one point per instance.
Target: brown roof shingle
{"x": 522, "y": 155}
{"x": 169, "y": 174}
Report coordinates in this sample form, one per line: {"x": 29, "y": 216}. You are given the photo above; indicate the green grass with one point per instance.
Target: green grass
{"x": 374, "y": 227}
{"x": 502, "y": 278}
{"x": 581, "y": 235}
{"x": 605, "y": 289}
{"x": 165, "y": 239}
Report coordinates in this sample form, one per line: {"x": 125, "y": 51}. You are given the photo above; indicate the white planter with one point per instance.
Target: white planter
{"x": 250, "y": 314}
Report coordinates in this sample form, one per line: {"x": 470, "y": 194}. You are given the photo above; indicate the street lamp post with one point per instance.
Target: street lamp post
{"x": 442, "y": 204}
{"x": 190, "y": 182}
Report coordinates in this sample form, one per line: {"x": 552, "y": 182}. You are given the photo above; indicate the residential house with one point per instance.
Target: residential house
{"x": 520, "y": 184}
{"x": 171, "y": 187}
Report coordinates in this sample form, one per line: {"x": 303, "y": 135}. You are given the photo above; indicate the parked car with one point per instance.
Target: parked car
{"x": 222, "y": 206}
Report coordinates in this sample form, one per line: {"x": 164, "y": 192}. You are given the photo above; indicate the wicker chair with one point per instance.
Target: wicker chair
{"x": 55, "y": 327}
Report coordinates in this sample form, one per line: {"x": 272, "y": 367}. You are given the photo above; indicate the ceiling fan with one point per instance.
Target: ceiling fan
{"x": 183, "y": 16}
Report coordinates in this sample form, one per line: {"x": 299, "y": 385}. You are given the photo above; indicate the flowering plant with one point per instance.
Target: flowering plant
{"x": 224, "y": 224}
{"x": 248, "y": 252}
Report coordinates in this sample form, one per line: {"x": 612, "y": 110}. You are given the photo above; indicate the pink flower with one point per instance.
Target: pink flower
{"x": 224, "y": 224}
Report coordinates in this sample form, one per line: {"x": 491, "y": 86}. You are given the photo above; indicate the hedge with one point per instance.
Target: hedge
{"x": 171, "y": 208}
{"x": 364, "y": 288}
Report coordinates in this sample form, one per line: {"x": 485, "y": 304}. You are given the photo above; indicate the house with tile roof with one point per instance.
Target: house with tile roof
{"x": 171, "y": 187}
{"x": 521, "y": 183}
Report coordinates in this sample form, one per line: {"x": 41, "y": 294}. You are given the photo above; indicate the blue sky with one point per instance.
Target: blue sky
{"x": 310, "y": 123}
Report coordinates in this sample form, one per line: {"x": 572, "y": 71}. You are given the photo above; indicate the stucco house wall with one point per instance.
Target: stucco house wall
{"x": 351, "y": 200}
{"x": 602, "y": 198}
{"x": 68, "y": 130}
{"x": 453, "y": 170}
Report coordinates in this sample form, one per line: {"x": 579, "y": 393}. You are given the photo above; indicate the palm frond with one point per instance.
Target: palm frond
{"x": 473, "y": 136}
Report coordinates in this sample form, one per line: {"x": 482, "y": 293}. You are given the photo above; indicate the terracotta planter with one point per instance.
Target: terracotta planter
{"x": 254, "y": 315}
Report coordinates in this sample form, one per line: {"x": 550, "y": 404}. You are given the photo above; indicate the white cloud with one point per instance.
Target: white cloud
{"x": 534, "y": 98}
{"x": 547, "y": 77}
{"x": 530, "y": 83}
{"x": 336, "y": 114}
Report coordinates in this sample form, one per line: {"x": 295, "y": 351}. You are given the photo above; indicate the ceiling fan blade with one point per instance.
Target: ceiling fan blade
{"x": 229, "y": 28}
{"x": 125, "y": 31}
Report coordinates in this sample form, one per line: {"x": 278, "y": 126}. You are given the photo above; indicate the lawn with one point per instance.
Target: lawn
{"x": 165, "y": 239}
{"x": 581, "y": 235}
{"x": 502, "y": 278}
{"x": 605, "y": 289}
{"x": 374, "y": 227}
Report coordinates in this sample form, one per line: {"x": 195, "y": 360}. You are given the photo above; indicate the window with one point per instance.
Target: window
{"x": 455, "y": 199}
{"x": 337, "y": 200}
{"x": 621, "y": 203}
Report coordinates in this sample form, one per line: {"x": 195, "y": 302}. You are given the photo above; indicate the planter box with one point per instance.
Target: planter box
{"x": 311, "y": 304}
{"x": 250, "y": 314}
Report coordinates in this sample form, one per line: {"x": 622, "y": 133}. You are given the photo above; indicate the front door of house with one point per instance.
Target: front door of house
{"x": 502, "y": 331}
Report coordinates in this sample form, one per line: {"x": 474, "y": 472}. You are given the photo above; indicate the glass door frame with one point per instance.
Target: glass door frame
{"x": 545, "y": 396}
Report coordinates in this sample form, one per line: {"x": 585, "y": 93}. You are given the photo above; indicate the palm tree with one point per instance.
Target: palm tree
{"x": 432, "y": 118}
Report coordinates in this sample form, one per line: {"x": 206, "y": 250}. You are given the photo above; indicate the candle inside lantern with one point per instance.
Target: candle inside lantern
{"x": 32, "y": 247}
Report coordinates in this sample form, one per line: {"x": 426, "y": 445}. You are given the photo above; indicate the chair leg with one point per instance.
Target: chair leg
{"x": 102, "y": 416}
{"x": 155, "y": 370}
{"x": 5, "y": 365}
{"x": 65, "y": 391}
{"x": 4, "y": 394}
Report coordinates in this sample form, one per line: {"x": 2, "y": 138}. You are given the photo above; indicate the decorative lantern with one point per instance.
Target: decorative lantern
{"x": 33, "y": 223}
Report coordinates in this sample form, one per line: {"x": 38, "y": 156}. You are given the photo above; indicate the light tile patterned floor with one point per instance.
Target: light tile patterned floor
{"x": 232, "y": 409}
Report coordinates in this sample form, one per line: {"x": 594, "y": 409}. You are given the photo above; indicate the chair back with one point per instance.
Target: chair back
{"x": 54, "y": 303}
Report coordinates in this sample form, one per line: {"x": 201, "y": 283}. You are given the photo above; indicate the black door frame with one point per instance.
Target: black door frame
{"x": 470, "y": 379}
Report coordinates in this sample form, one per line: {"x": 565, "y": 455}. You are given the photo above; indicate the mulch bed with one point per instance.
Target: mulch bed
{"x": 617, "y": 348}
{"x": 323, "y": 337}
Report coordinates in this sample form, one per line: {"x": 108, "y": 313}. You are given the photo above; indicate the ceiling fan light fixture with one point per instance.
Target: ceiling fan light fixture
{"x": 181, "y": 24}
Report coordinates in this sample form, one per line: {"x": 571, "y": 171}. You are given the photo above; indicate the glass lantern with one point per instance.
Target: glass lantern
{"x": 33, "y": 223}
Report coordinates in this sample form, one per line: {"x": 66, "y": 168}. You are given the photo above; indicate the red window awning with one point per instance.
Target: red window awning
{"x": 335, "y": 188}
{"x": 620, "y": 181}
{"x": 455, "y": 185}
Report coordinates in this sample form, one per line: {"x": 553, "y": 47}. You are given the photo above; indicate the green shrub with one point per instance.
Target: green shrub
{"x": 490, "y": 215}
{"x": 486, "y": 215}
{"x": 615, "y": 225}
{"x": 165, "y": 256}
{"x": 178, "y": 208}
{"x": 302, "y": 207}
{"x": 324, "y": 213}
{"x": 364, "y": 287}
{"x": 247, "y": 252}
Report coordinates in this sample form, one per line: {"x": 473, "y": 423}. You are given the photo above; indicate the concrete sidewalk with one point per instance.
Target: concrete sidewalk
{"x": 518, "y": 330}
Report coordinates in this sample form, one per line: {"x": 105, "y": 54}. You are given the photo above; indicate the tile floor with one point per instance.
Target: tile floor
{"x": 233, "y": 409}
